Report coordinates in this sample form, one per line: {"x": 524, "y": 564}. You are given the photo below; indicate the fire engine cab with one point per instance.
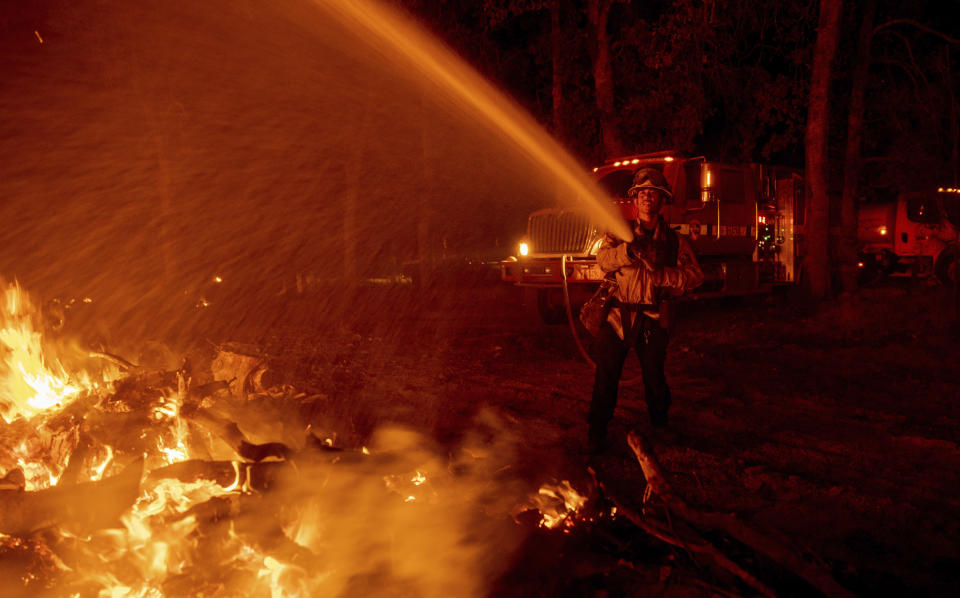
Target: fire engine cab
{"x": 918, "y": 234}
{"x": 743, "y": 221}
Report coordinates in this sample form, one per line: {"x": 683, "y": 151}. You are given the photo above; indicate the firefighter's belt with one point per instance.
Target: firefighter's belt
{"x": 631, "y": 318}
{"x": 632, "y": 307}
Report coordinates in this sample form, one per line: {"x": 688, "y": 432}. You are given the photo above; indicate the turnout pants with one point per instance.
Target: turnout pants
{"x": 649, "y": 340}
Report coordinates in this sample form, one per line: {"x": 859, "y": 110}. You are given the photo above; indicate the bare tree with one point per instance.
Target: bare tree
{"x": 817, "y": 262}
{"x": 598, "y": 13}
{"x": 558, "y": 67}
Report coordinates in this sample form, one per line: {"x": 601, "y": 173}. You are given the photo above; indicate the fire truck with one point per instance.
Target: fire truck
{"x": 744, "y": 221}
{"x": 918, "y": 235}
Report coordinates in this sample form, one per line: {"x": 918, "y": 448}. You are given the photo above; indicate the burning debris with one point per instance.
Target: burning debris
{"x": 122, "y": 479}
{"x": 127, "y": 480}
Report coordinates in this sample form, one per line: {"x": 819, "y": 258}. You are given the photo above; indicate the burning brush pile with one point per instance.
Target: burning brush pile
{"x": 118, "y": 479}
{"x": 122, "y": 480}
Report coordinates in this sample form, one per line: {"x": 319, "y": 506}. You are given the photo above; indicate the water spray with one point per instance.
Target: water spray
{"x": 377, "y": 24}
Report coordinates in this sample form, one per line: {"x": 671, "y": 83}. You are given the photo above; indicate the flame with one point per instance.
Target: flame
{"x": 173, "y": 533}
{"x": 153, "y": 543}
{"x": 38, "y": 473}
{"x": 558, "y": 504}
{"x": 96, "y": 472}
{"x": 28, "y": 384}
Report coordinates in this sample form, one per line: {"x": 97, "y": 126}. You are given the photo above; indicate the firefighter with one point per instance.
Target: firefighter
{"x": 656, "y": 265}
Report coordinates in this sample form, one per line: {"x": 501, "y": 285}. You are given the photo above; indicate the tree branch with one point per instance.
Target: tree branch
{"x": 919, "y": 26}
{"x": 760, "y": 542}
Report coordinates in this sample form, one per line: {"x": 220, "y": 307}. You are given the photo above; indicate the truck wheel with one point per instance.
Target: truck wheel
{"x": 947, "y": 267}
{"x": 551, "y": 307}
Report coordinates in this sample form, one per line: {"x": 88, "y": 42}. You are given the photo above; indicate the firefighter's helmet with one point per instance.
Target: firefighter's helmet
{"x": 650, "y": 178}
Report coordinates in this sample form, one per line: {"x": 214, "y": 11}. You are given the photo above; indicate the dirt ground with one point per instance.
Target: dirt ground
{"x": 836, "y": 428}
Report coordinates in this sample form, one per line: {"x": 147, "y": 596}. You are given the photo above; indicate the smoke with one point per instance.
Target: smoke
{"x": 400, "y": 519}
{"x": 432, "y": 526}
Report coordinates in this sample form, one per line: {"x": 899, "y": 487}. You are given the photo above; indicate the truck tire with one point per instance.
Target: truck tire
{"x": 947, "y": 267}
{"x": 551, "y": 307}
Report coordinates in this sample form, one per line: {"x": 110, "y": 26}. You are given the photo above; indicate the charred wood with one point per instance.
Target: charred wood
{"x": 681, "y": 535}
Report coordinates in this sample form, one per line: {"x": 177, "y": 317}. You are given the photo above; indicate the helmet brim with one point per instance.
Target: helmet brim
{"x": 632, "y": 191}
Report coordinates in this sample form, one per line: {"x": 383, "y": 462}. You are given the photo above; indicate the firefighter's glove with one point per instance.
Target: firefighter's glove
{"x": 641, "y": 249}
{"x": 646, "y": 260}
{"x": 641, "y": 243}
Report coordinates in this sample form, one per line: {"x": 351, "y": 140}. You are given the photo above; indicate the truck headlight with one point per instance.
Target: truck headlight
{"x": 524, "y": 249}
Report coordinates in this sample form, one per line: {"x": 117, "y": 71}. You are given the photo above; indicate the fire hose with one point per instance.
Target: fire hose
{"x": 573, "y": 325}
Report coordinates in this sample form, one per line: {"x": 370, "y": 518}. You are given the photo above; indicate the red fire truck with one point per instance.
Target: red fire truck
{"x": 745, "y": 222}
{"x": 918, "y": 234}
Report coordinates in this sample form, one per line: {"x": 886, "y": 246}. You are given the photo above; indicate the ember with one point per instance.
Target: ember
{"x": 559, "y": 504}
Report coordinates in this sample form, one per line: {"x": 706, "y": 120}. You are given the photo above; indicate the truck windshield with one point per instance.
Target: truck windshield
{"x": 617, "y": 182}
{"x": 923, "y": 210}
{"x": 951, "y": 206}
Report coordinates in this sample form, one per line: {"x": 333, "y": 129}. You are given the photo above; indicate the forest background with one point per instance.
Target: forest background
{"x": 860, "y": 94}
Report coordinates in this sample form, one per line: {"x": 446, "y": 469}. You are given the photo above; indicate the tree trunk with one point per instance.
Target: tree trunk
{"x": 954, "y": 126}
{"x": 598, "y": 12}
{"x": 818, "y": 119}
{"x": 558, "y": 63}
{"x": 847, "y": 243}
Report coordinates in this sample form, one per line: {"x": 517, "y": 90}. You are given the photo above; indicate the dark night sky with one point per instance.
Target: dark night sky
{"x": 731, "y": 85}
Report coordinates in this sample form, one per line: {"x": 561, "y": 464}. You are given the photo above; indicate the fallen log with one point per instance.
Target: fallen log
{"x": 683, "y": 536}
{"x": 760, "y": 542}
{"x": 88, "y": 506}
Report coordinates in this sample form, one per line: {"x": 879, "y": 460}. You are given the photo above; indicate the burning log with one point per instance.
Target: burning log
{"x": 761, "y": 543}
{"x": 91, "y": 505}
{"x": 247, "y": 476}
{"x": 244, "y": 521}
{"x": 116, "y": 360}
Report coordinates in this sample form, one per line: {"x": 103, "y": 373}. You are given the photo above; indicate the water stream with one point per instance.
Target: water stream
{"x": 147, "y": 149}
